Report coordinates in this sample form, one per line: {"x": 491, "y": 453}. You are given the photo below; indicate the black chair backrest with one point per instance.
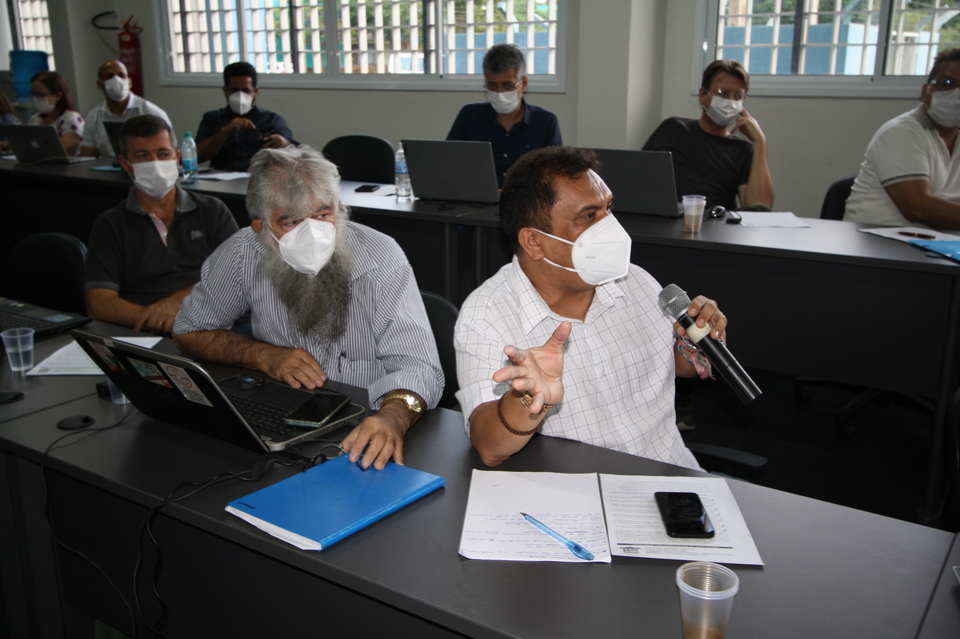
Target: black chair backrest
{"x": 46, "y": 269}
{"x": 443, "y": 316}
{"x": 835, "y": 201}
{"x": 362, "y": 158}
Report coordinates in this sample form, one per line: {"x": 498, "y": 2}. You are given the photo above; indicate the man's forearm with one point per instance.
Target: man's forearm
{"x": 111, "y": 308}
{"x": 759, "y": 187}
{"x": 209, "y": 147}
{"x": 224, "y": 347}
{"x": 493, "y": 441}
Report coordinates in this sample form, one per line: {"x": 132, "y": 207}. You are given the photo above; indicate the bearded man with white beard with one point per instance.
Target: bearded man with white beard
{"x": 328, "y": 299}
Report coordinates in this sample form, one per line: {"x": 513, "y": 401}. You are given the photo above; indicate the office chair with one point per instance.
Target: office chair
{"x": 834, "y": 205}
{"x": 443, "y": 316}
{"x": 835, "y": 201}
{"x": 362, "y": 158}
{"x": 46, "y": 269}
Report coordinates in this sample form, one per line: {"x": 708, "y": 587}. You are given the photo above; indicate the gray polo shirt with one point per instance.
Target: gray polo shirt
{"x": 127, "y": 254}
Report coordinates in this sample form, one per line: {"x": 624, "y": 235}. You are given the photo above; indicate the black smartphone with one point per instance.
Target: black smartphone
{"x": 684, "y": 516}
{"x": 733, "y": 217}
{"x": 316, "y": 411}
{"x": 367, "y": 188}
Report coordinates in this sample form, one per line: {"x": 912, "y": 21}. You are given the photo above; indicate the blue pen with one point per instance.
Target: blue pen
{"x": 571, "y": 545}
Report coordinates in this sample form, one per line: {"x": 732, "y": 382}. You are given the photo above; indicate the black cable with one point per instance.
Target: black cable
{"x": 48, "y": 514}
{"x": 94, "y": 19}
{"x": 146, "y": 527}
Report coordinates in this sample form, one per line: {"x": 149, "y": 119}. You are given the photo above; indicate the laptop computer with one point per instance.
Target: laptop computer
{"x": 247, "y": 411}
{"x": 36, "y": 143}
{"x": 642, "y": 181}
{"x": 113, "y": 134}
{"x": 452, "y": 170}
{"x": 43, "y": 321}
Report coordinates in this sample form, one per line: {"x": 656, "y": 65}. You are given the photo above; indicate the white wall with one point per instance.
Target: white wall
{"x": 629, "y": 65}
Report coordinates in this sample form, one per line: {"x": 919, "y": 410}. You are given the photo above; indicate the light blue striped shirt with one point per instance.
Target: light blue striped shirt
{"x": 388, "y": 343}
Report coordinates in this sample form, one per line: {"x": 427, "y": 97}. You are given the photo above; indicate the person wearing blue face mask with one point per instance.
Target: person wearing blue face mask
{"x": 506, "y": 120}
{"x": 145, "y": 254}
{"x": 723, "y": 153}
{"x": 910, "y": 174}
{"x": 230, "y": 136}
{"x": 327, "y": 298}
{"x": 569, "y": 340}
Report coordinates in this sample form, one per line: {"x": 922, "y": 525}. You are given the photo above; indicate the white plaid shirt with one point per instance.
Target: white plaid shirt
{"x": 388, "y": 343}
{"x": 618, "y": 365}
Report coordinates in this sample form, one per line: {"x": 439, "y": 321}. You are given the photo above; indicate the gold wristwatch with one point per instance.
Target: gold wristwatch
{"x": 412, "y": 402}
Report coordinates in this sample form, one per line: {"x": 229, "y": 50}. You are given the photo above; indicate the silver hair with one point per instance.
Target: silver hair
{"x": 505, "y": 57}
{"x": 292, "y": 178}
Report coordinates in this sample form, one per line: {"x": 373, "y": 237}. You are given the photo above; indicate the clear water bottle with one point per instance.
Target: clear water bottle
{"x": 401, "y": 178}
{"x": 188, "y": 158}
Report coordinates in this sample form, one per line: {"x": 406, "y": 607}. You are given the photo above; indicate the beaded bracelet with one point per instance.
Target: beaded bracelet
{"x": 521, "y": 433}
{"x": 695, "y": 356}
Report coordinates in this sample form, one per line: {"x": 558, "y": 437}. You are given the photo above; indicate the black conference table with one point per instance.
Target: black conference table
{"x": 827, "y": 301}
{"x": 830, "y": 571}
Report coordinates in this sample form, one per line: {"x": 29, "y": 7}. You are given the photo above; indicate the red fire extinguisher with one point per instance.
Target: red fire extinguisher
{"x": 130, "y": 54}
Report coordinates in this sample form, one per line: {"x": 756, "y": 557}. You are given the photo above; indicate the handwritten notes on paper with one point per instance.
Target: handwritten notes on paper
{"x": 493, "y": 527}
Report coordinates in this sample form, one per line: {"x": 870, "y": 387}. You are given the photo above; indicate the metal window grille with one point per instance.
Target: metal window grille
{"x": 358, "y": 36}
{"x": 918, "y": 31}
{"x": 34, "y": 26}
{"x": 836, "y": 37}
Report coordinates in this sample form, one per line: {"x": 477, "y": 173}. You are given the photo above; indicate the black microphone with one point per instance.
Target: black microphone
{"x": 675, "y": 302}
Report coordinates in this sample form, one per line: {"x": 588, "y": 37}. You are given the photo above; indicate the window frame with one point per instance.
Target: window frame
{"x": 333, "y": 79}
{"x": 877, "y": 85}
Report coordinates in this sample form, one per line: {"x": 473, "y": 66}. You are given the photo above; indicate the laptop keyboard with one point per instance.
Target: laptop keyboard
{"x": 260, "y": 415}
{"x": 13, "y": 320}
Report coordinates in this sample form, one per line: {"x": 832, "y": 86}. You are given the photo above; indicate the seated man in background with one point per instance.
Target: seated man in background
{"x": 230, "y": 136}
{"x": 708, "y": 159}
{"x": 590, "y": 355}
{"x": 911, "y": 171}
{"x": 145, "y": 254}
{"x": 505, "y": 120}
{"x": 328, "y": 299}
{"x": 119, "y": 105}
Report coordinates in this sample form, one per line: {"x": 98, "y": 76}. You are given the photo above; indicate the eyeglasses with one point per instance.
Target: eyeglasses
{"x": 502, "y": 87}
{"x": 946, "y": 84}
{"x": 728, "y": 94}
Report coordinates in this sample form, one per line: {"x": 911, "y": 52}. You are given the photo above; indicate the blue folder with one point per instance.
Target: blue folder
{"x": 321, "y": 506}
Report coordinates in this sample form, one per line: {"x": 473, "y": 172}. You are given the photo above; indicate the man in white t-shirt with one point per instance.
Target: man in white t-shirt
{"x": 911, "y": 172}
{"x": 119, "y": 106}
{"x": 572, "y": 343}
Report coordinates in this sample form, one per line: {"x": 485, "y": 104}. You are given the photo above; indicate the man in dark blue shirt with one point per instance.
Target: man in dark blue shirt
{"x": 229, "y": 137}
{"x": 505, "y": 120}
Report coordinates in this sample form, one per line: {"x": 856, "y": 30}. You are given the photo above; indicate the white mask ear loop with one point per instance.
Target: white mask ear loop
{"x": 548, "y": 260}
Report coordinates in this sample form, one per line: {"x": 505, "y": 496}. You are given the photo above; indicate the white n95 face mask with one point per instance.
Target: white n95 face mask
{"x": 723, "y": 111}
{"x": 944, "y": 108}
{"x": 601, "y": 254}
{"x": 117, "y": 88}
{"x": 240, "y": 102}
{"x": 156, "y": 179}
{"x": 309, "y": 246}
{"x": 504, "y": 103}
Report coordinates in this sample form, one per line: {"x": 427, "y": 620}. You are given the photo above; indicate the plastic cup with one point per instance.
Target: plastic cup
{"x": 18, "y": 342}
{"x": 706, "y": 598}
{"x": 693, "y": 212}
{"x": 115, "y": 395}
